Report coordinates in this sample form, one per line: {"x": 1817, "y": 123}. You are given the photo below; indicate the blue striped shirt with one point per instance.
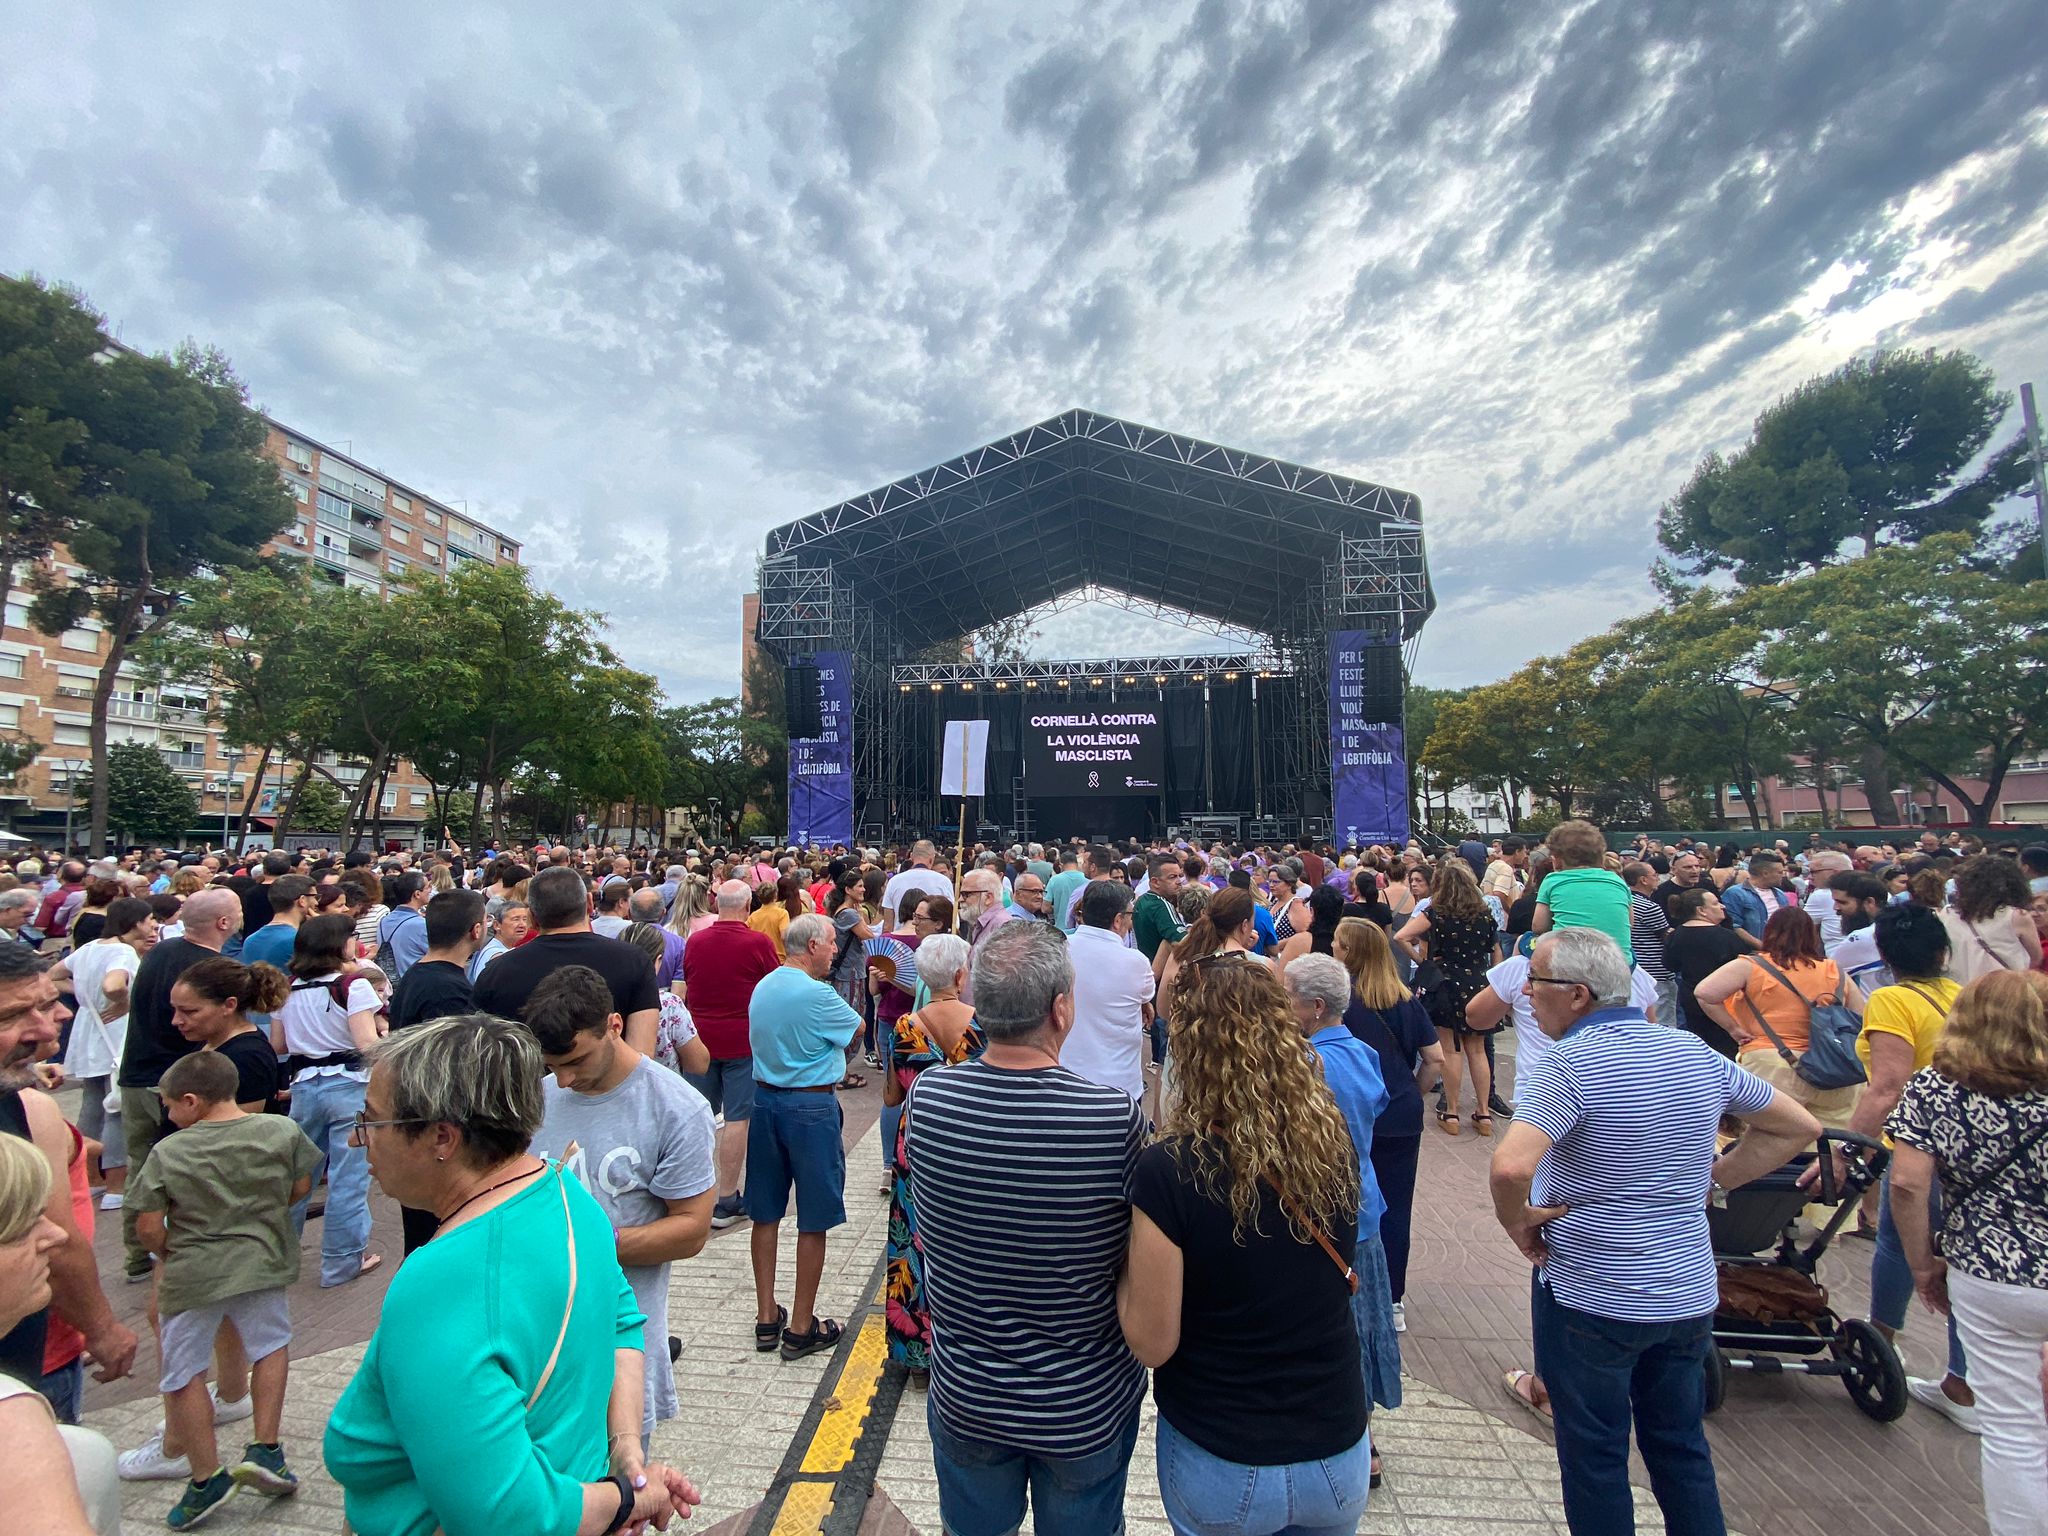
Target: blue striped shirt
{"x": 1631, "y": 1109}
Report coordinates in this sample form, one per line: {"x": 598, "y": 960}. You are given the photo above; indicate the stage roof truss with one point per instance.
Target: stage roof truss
{"x": 1166, "y": 613}
{"x": 1097, "y": 673}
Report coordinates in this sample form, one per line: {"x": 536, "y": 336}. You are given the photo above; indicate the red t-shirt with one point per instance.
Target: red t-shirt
{"x": 721, "y": 965}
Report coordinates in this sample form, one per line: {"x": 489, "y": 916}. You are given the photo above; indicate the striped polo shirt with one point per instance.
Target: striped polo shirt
{"x": 1631, "y": 1109}
{"x": 1021, "y": 1182}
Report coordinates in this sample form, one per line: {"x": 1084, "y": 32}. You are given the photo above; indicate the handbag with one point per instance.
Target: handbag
{"x": 1829, "y": 1060}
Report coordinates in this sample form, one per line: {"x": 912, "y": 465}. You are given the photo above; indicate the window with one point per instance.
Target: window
{"x": 17, "y": 613}
{"x": 71, "y": 736}
{"x": 79, "y": 640}
{"x": 299, "y": 454}
{"x": 10, "y": 666}
{"x": 10, "y": 717}
{"x": 400, "y": 503}
{"x": 301, "y": 492}
{"x": 396, "y": 566}
{"x": 433, "y": 518}
{"x": 400, "y": 535}
{"x": 419, "y": 797}
{"x": 430, "y": 549}
{"x": 508, "y": 552}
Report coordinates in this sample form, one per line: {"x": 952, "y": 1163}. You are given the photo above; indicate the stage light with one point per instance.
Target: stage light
{"x": 1199, "y": 677}
{"x": 1030, "y": 684}
{"x": 1001, "y": 684}
{"x": 903, "y": 687}
{"x": 1063, "y": 682}
{"x": 967, "y": 687}
{"x": 1130, "y": 679}
{"x": 937, "y": 686}
{"x": 1159, "y": 677}
{"x": 1230, "y": 677}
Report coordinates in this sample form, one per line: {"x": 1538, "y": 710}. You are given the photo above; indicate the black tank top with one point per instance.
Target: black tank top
{"x": 21, "y": 1352}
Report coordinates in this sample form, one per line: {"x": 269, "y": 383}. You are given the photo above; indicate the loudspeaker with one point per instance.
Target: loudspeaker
{"x": 801, "y": 695}
{"x": 1382, "y": 682}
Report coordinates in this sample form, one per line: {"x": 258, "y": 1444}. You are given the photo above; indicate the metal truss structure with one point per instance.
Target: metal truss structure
{"x": 1266, "y": 556}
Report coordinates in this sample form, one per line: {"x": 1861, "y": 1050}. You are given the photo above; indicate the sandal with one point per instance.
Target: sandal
{"x": 1482, "y": 1123}
{"x": 1446, "y": 1121}
{"x": 1374, "y": 1479}
{"x": 768, "y": 1335}
{"x": 824, "y": 1334}
{"x": 1513, "y": 1381}
{"x": 851, "y": 1081}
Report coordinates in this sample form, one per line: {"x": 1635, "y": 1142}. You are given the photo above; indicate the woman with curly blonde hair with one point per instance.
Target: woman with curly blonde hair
{"x": 1238, "y": 1286}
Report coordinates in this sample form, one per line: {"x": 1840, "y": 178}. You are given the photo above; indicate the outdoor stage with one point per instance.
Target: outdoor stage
{"x": 1311, "y": 583}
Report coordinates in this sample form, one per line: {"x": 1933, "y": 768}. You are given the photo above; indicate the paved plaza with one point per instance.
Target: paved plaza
{"x": 833, "y": 1443}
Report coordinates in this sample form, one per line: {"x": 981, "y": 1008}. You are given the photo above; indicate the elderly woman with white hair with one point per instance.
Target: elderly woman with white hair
{"x": 939, "y": 1034}
{"x": 1319, "y": 988}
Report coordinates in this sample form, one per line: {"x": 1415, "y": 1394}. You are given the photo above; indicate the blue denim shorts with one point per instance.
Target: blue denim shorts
{"x": 982, "y": 1485}
{"x": 728, "y": 1086}
{"x": 794, "y": 1139}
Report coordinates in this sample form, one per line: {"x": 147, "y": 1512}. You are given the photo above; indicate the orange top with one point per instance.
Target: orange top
{"x": 1764, "y": 993}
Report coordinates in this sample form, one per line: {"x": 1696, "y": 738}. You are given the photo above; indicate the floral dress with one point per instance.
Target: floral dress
{"x": 910, "y": 1326}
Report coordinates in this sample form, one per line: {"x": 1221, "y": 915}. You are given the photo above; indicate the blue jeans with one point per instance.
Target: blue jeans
{"x": 982, "y": 1485}
{"x": 1891, "y": 1277}
{"x": 64, "y": 1390}
{"x": 324, "y": 1107}
{"x": 1602, "y": 1374}
{"x": 1205, "y": 1495}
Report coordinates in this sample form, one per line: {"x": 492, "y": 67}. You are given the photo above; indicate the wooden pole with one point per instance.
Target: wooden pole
{"x": 960, "y": 859}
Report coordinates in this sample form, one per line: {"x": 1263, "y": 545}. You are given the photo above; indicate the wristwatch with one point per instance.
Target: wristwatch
{"x": 624, "y": 1484}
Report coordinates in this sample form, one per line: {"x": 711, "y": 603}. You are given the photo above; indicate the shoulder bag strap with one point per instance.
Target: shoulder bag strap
{"x": 1953, "y": 1196}
{"x": 1784, "y": 1050}
{"x": 1933, "y": 1001}
{"x": 1343, "y": 1265}
{"x": 568, "y": 1306}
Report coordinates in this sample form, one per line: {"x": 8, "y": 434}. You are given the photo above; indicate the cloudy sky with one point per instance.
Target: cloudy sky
{"x": 638, "y": 284}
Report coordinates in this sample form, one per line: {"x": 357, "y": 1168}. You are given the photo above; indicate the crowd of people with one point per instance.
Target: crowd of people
{"x": 1184, "y": 1089}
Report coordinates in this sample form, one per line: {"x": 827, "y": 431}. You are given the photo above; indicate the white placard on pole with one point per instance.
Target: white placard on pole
{"x": 963, "y": 765}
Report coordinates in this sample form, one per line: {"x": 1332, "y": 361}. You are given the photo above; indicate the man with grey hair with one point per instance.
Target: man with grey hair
{"x": 1113, "y": 992}
{"x": 722, "y": 964}
{"x": 16, "y": 908}
{"x": 1020, "y": 1167}
{"x": 798, "y": 1027}
{"x": 981, "y": 911}
{"x": 1602, "y": 1181}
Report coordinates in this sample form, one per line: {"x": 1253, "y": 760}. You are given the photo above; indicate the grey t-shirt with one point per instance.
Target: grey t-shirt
{"x": 844, "y": 921}
{"x": 645, "y": 1142}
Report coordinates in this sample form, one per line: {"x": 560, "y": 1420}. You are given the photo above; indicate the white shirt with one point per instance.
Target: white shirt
{"x": 1531, "y": 1044}
{"x": 1820, "y": 906}
{"x": 902, "y": 883}
{"x": 1112, "y": 984}
{"x": 316, "y": 1025}
{"x": 1857, "y": 958}
{"x": 96, "y": 1044}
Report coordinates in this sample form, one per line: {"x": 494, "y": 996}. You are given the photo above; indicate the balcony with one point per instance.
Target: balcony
{"x": 357, "y": 566}
{"x": 150, "y": 709}
{"x": 329, "y": 555}
{"x": 184, "y": 759}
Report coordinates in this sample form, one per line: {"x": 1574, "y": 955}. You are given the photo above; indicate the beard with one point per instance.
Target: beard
{"x": 18, "y": 1068}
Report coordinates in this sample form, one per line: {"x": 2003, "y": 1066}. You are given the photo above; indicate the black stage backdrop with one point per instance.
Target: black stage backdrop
{"x": 1208, "y": 754}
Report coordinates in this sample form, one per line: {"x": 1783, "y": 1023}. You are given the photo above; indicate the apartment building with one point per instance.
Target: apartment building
{"x": 356, "y": 527}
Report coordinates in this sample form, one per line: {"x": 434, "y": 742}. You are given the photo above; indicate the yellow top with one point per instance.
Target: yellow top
{"x": 772, "y": 920}
{"x": 1915, "y": 1011}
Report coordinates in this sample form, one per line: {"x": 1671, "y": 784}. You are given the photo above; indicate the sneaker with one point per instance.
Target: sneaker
{"x": 200, "y": 1501}
{"x": 1500, "y": 1106}
{"x": 147, "y": 1463}
{"x": 729, "y": 1210}
{"x": 1400, "y": 1317}
{"x": 262, "y": 1468}
{"x": 231, "y": 1410}
{"x": 1963, "y": 1415}
{"x": 110, "y": 1202}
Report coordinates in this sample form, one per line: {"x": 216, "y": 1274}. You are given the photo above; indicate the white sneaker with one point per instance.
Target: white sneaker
{"x": 1400, "y": 1317}
{"x": 110, "y": 1202}
{"x": 230, "y": 1410}
{"x": 147, "y": 1463}
{"x": 1963, "y": 1415}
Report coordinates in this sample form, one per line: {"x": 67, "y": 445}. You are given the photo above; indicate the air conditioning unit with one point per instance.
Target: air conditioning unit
{"x": 297, "y": 535}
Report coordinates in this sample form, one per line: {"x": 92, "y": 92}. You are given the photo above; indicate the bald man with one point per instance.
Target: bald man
{"x": 722, "y": 963}
{"x": 211, "y": 917}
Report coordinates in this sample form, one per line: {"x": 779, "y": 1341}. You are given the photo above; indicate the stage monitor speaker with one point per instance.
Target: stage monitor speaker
{"x": 1383, "y": 682}
{"x": 800, "y": 700}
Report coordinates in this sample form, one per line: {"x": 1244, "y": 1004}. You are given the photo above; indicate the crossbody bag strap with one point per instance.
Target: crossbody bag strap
{"x": 1953, "y": 1198}
{"x": 568, "y": 1306}
{"x": 1343, "y": 1265}
{"x": 1784, "y": 1050}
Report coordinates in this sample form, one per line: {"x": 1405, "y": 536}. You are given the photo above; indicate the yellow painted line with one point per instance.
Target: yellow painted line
{"x": 831, "y": 1446}
{"x": 804, "y": 1509}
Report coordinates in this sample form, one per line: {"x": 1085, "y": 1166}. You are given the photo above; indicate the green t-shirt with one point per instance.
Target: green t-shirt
{"x": 224, "y": 1190}
{"x": 1059, "y": 890}
{"x": 1155, "y": 923}
{"x": 1589, "y": 898}
{"x": 433, "y": 1432}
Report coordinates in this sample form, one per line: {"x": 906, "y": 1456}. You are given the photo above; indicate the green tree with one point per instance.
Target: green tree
{"x": 708, "y": 761}
{"x": 319, "y": 807}
{"x": 173, "y": 484}
{"x": 143, "y": 797}
{"x": 48, "y": 340}
{"x": 1875, "y": 453}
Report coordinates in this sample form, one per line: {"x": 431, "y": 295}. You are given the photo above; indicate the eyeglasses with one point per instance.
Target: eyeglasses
{"x": 1558, "y": 981}
{"x": 360, "y": 1127}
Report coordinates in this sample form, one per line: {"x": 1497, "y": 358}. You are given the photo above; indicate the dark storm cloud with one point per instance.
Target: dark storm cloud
{"x": 641, "y": 288}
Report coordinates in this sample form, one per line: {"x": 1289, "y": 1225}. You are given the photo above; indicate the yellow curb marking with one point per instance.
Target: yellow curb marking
{"x": 831, "y": 1446}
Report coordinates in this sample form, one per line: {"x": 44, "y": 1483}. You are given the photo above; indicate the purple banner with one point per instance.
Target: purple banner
{"x": 821, "y": 766}
{"x": 1368, "y": 768}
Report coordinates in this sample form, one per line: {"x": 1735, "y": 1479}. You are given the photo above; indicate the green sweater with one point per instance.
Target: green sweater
{"x": 434, "y": 1429}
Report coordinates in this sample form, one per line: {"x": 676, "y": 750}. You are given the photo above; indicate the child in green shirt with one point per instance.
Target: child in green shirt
{"x": 214, "y": 1203}
{"x": 1579, "y": 891}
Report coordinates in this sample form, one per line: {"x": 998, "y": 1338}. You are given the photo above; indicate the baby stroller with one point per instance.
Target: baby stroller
{"x": 1774, "y": 1316}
